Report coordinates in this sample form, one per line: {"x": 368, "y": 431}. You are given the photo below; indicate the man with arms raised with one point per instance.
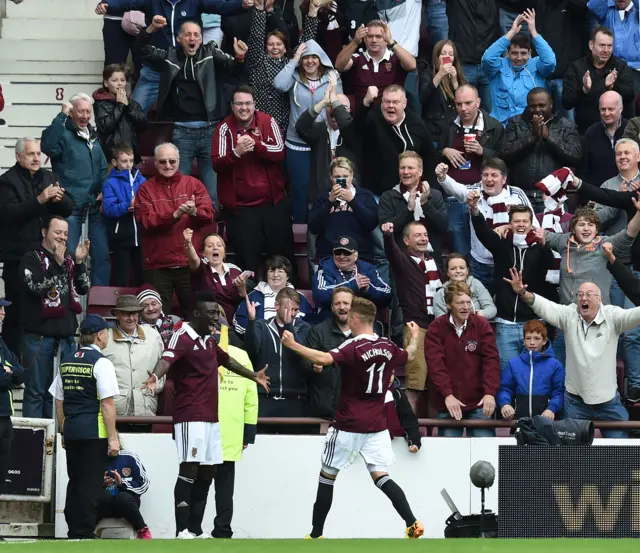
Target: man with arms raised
{"x": 367, "y": 364}
{"x": 196, "y": 357}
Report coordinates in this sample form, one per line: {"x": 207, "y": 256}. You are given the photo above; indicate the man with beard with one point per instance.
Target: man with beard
{"x": 591, "y": 331}
{"x": 196, "y": 357}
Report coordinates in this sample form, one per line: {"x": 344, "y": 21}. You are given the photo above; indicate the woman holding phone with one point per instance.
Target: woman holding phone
{"x": 210, "y": 272}
{"x": 438, "y": 88}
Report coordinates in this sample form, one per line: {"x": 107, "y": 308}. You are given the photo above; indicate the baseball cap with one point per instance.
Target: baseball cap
{"x": 3, "y": 301}
{"x": 345, "y": 243}
{"x": 92, "y": 324}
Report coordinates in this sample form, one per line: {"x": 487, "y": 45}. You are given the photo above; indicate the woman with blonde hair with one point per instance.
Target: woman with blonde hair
{"x": 438, "y": 88}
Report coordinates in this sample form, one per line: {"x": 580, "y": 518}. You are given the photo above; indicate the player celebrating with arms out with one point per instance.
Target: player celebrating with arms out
{"x": 367, "y": 364}
{"x": 195, "y": 356}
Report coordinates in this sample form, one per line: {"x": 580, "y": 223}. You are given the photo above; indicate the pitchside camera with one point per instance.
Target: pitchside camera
{"x": 542, "y": 431}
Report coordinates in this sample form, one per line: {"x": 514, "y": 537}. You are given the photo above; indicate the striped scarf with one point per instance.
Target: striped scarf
{"x": 553, "y": 212}
{"x": 522, "y": 241}
{"x": 432, "y": 281}
{"x": 499, "y": 214}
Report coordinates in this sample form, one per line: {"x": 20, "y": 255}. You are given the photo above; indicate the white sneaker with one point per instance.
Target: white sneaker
{"x": 185, "y": 535}
{"x": 204, "y": 536}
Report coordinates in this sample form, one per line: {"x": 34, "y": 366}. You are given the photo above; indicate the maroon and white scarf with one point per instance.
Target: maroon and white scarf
{"x": 556, "y": 186}
{"x": 52, "y": 306}
{"x": 522, "y": 241}
{"x": 432, "y": 281}
{"x": 418, "y": 212}
{"x": 551, "y": 222}
{"x": 498, "y": 213}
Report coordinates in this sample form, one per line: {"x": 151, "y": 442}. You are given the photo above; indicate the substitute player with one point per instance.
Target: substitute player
{"x": 195, "y": 356}
{"x": 367, "y": 363}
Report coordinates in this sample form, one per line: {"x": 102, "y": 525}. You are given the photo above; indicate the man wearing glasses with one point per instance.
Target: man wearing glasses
{"x": 591, "y": 331}
{"x": 247, "y": 153}
{"x": 165, "y": 206}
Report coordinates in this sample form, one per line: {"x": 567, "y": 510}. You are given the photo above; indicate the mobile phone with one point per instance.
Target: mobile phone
{"x": 247, "y": 274}
{"x": 342, "y": 182}
{"x": 446, "y": 60}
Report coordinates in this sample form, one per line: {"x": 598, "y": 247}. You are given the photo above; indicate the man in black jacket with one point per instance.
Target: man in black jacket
{"x": 589, "y": 77}
{"x": 537, "y": 143}
{"x": 389, "y": 130}
{"x": 52, "y": 281}
{"x": 28, "y": 195}
{"x": 189, "y": 92}
{"x": 288, "y": 394}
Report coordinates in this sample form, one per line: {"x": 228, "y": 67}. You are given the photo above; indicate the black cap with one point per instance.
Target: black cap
{"x": 345, "y": 243}
{"x": 92, "y": 324}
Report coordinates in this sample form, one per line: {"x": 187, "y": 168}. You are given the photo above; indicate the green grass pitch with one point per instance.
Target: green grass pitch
{"x": 327, "y": 546}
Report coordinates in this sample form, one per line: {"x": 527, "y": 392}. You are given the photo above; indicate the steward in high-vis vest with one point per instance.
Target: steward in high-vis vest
{"x": 11, "y": 375}
{"x": 84, "y": 391}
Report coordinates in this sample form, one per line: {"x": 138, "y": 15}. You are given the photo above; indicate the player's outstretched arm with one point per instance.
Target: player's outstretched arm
{"x": 318, "y": 357}
{"x": 161, "y": 368}
{"x": 260, "y": 377}
{"x": 412, "y": 347}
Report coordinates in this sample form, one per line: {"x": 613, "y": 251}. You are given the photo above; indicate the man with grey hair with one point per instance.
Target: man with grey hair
{"x": 598, "y": 156}
{"x": 591, "y": 332}
{"x": 77, "y": 158}
{"x": 166, "y": 205}
{"x": 28, "y": 195}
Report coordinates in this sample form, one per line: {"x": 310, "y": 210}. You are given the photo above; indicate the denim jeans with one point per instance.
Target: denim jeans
{"x": 146, "y": 90}
{"x": 476, "y": 414}
{"x": 559, "y": 347}
{"x": 435, "y": 20}
{"x": 475, "y": 75}
{"x": 631, "y": 338}
{"x": 507, "y": 17}
{"x": 484, "y": 273}
{"x": 458, "y": 230}
{"x": 38, "y": 354}
{"x": 299, "y": 167}
{"x": 509, "y": 340}
{"x": 612, "y": 410}
{"x": 555, "y": 86}
{"x": 413, "y": 94}
{"x": 196, "y": 143}
{"x": 100, "y": 262}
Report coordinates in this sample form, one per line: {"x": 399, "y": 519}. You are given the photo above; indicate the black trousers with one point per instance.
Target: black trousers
{"x": 264, "y": 228}
{"x": 123, "y": 259}
{"x": 117, "y": 44}
{"x": 124, "y": 505}
{"x": 225, "y": 479}
{"x": 86, "y": 463}
{"x": 6, "y": 437}
{"x": 166, "y": 281}
{"x": 270, "y": 407}
{"x": 12, "y": 327}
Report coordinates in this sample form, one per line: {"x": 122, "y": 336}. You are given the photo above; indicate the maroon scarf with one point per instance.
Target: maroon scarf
{"x": 52, "y": 306}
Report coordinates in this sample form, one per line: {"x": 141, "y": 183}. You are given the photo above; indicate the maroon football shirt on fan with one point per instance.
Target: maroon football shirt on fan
{"x": 194, "y": 369}
{"x": 366, "y": 363}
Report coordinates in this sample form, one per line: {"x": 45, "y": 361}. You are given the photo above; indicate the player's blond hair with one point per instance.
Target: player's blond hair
{"x": 365, "y": 309}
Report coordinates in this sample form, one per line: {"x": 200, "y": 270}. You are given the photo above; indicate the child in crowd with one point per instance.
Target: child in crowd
{"x": 534, "y": 380}
{"x": 118, "y": 118}
{"x": 119, "y": 194}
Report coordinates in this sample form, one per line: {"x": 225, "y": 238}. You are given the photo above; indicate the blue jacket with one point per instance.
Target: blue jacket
{"x": 176, "y": 12}
{"x": 81, "y": 169}
{"x": 329, "y": 277}
{"x": 117, "y": 193}
{"x": 134, "y": 478}
{"x": 8, "y": 381}
{"x": 356, "y": 219}
{"x": 241, "y": 318}
{"x": 534, "y": 381}
{"x": 510, "y": 85}
{"x": 626, "y": 44}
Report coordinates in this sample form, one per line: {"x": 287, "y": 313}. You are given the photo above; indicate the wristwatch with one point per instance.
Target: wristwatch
{"x": 392, "y": 45}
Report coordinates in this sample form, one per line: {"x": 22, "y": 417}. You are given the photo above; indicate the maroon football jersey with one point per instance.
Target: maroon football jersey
{"x": 366, "y": 365}
{"x": 194, "y": 369}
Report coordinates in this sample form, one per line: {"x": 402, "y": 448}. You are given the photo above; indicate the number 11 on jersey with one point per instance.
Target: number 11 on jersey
{"x": 371, "y": 370}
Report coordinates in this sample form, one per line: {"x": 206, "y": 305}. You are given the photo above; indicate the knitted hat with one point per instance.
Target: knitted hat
{"x": 146, "y": 292}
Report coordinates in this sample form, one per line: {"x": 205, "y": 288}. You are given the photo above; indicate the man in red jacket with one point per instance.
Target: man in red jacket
{"x": 464, "y": 368}
{"x": 247, "y": 152}
{"x": 165, "y": 205}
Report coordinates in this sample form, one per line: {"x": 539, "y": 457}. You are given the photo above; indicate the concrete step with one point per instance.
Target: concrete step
{"x": 30, "y": 115}
{"x": 33, "y": 29}
{"x": 60, "y": 80}
{"x": 43, "y": 50}
{"x": 41, "y": 93}
{"x": 13, "y": 133}
{"x": 58, "y": 9}
{"x": 38, "y": 69}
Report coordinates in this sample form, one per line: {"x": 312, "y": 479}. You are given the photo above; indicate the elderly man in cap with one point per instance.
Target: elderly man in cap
{"x": 344, "y": 269}
{"x": 134, "y": 351}
{"x": 11, "y": 375}
{"x": 153, "y": 315}
{"x": 84, "y": 390}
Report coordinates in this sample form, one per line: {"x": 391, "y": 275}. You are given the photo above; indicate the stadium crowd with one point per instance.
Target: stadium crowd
{"x": 470, "y": 166}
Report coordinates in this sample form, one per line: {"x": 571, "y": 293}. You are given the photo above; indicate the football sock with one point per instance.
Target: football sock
{"x": 199, "y": 494}
{"x": 182, "y": 500}
{"x": 397, "y": 497}
{"x": 322, "y": 505}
